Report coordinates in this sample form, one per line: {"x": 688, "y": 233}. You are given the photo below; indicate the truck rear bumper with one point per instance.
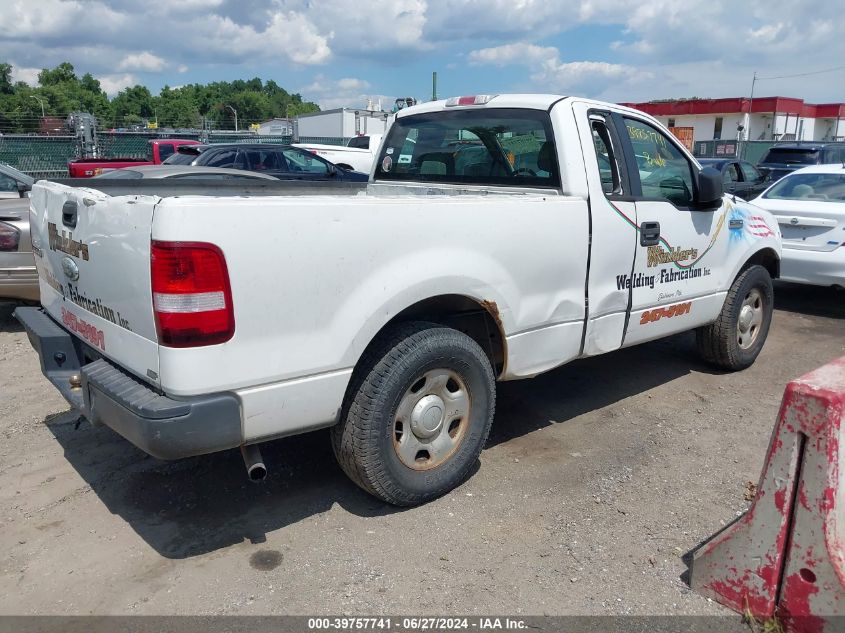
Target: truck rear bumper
{"x": 164, "y": 427}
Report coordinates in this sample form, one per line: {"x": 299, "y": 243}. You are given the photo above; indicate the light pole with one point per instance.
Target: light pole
{"x": 41, "y": 101}
{"x": 235, "y": 112}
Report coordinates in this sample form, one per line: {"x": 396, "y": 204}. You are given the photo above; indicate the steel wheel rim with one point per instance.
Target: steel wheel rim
{"x": 750, "y": 319}
{"x": 431, "y": 420}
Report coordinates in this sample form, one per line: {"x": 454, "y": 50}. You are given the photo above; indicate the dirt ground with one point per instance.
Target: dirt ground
{"x": 597, "y": 478}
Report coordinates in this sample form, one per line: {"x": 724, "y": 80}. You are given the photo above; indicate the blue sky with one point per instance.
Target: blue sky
{"x": 342, "y": 52}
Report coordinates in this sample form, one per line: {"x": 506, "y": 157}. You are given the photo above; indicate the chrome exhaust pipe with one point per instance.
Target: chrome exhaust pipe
{"x": 255, "y": 468}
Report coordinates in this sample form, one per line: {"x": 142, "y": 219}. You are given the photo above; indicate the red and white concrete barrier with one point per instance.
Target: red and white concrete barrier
{"x": 785, "y": 557}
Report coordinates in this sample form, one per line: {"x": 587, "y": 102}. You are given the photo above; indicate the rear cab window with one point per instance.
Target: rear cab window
{"x": 360, "y": 142}
{"x": 792, "y": 156}
{"x": 492, "y": 146}
{"x": 165, "y": 151}
{"x": 815, "y": 186}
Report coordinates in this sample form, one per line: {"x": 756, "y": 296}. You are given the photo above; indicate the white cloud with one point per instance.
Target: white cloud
{"x": 496, "y": 19}
{"x": 518, "y": 53}
{"x": 766, "y": 33}
{"x": 113, "y": 84}
{"x": 288, "y": 34}
{"x": 361, "y": 28}
{"x": 347, "y": 92}
{"x": 550, "y": 74}
{"x": 658, "y": 38}
{"x": 144, "y": 61}
{"x": 27, "y": 75}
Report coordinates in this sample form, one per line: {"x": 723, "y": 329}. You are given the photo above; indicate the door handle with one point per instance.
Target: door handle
{"x": 649, "y": 233}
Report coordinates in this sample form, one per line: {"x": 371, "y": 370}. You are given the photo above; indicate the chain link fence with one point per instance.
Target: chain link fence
{"x": 752, "y": 151}
{"x": 47, "y": 156}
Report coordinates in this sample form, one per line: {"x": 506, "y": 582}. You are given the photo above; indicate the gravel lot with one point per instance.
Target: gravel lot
{"x": 597, "y": 478}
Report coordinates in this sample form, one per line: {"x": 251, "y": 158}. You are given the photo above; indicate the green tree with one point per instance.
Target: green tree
{"x": 6, "y": 86}
{"x": 62, "y": 91}
{"x": 63, "y": 73}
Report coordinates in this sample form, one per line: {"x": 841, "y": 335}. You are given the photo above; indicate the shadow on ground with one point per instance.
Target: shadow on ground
{"x": 202, "y": 504}
{"x": 811, "y": 300}
{"x": 8, "y": 323}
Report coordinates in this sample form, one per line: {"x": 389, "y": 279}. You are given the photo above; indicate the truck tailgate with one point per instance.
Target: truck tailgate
{"x": 92, "y": 252}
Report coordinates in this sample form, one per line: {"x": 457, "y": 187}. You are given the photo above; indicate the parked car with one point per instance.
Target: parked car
{"x": 159, "y": 150}
{"x": 740, "y": 177}
{"x": 182, "y": 172}
{"x": 14, "y": 183}
{"x": 809, "y": 205}
{"x": 388, "y": 314}
{"x": 282, "y": 161}
{"x": 18, "y": 277}
{"x": 358, "y": 154}
{"x": 783, "y": 159}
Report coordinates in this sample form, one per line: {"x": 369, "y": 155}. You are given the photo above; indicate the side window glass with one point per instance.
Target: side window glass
{"x": 664, "y": 170}
{"x": 165, "y": 151}
{"x": 606, "y": 157}
{"x": 730, "y": 175}
{"x": 750, "y": 173}
{"x": 226, "y": 158}
{"x": 7, "y": 184}
{"x": 304, "y": 161}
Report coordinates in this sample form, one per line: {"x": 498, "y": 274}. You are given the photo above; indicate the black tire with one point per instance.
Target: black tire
{"x": 363, "y": 441}
{"x": 718, "y": 343}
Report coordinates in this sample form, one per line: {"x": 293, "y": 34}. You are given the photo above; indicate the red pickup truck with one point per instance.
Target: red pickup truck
{"x": 160, "y": 149}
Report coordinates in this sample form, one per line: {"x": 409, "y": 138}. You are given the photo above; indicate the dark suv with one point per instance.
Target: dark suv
{"x": 783, "y": 159}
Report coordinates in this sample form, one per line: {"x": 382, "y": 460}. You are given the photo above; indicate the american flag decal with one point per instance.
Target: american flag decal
{"x": 757, "y": 227}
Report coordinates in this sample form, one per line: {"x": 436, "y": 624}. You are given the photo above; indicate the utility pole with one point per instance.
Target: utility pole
{"x": 434, "y": 86}
{"x": 235, "y": 112}
{"x": 41, "y": 101}
{"x": 750, "y": 115}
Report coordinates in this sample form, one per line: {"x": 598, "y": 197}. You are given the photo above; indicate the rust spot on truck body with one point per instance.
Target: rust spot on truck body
{"x": 493, "y": 310}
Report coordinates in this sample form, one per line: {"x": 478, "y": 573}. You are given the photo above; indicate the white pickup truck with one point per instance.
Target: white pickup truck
{"x": 358, "y": 154}
{"x": 499, "y": 237}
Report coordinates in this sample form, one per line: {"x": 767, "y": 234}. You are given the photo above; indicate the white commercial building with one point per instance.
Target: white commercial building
{"x": 764, "y": 119}
{"x": 342, "y": 123}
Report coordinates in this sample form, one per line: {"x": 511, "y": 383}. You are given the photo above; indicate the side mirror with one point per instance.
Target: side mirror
{"x": 711, "y": 188}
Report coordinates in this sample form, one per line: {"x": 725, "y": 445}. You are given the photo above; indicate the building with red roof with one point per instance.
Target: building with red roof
{"x": 764, "y": 119}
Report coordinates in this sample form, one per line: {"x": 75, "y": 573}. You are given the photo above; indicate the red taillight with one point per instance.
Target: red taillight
{"x": 10, "y": 237}
{"x": 192, "y": 298}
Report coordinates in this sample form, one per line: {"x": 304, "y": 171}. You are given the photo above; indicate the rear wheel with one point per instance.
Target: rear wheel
{"x": 736, "y": 338}
{"x": 417, "y": 414}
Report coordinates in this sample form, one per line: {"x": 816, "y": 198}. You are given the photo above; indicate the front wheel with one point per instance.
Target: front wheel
{"x": 417, "y": 414}
{"x": 736, "y": 338}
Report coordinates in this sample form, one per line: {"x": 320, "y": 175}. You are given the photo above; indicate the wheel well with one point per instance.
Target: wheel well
{"x": 768, "y": 259}
{"x": 477, "y": 319}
